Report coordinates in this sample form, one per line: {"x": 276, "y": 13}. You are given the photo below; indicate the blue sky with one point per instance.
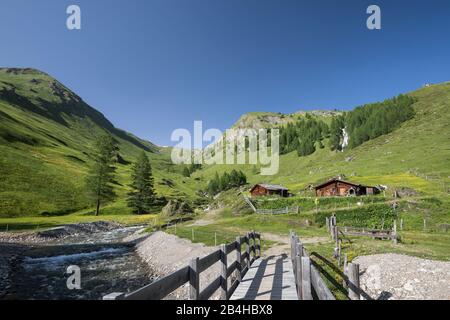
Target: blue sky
{"x": 152, "y": 66}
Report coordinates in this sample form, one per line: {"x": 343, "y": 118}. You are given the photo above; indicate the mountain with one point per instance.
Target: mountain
{"x": 261, "y": 120}
{"x": 47, "y": 132}
{"x": 415, "y": 155}
{"x": 46, "y": 137}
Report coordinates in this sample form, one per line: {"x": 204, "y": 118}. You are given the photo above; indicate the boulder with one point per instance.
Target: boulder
{"x": 177, "y": 207}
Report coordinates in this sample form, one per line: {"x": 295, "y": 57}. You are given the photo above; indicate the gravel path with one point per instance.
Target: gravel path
{"x": 166, "y": 253}
{"x": 401, "y": 277}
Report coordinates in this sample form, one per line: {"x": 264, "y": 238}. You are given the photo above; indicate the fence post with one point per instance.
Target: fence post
{"x": 248, "y": 251}
{"x": 254, "y": 244}
{"x": 238, "y": 259}
{"x": 339, "y": 254}
{"x": 344, "y": 282}
{"x": 424, "y": 224}
{"x": 223, "y": 272}
{"x": 258, "y": 245}
{"x": 401, "y": 224}
{"x": 394, "y": 233}
{"x": 327, "y": 222}
{"x": 194, "y": 280}
{"x": 353, "y": 277}
{"x": 298, "y": 269}
{"x": 306, "y": 278}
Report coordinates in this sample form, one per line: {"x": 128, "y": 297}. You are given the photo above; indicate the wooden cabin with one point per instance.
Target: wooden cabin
{"x": 341, "y": 188}
{"x": 263, "y": 189}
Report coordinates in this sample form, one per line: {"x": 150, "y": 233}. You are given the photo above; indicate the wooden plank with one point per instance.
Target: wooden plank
{"x": 306, "y": 278}
{"x": 206, "y": 262}
{"x": 268, "y": 279}
{"x": 223, "y": 272}
{"x": 210, "y": 289}
{"x": 231, "y": 247}
{"x": 114, "y": 296}
{"x": 194, "y": 280}
{"x": 353, "y": 277}
{"x": 231, "y": 268}
{"x": 238, "y": 259}
{"x": 319, "y": 286}
{"x": 162, "y": 287}
{"x": 232, "y": 289}
{"x": 248, "y": 251}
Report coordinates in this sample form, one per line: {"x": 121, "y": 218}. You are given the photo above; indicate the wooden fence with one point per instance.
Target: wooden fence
{"x": 278, "y": 211}
{"x": 343, "y": 231}
{"x": 310, "y": 284}
{"x": 307, "y": 279}
{"x": 191, "y": 273}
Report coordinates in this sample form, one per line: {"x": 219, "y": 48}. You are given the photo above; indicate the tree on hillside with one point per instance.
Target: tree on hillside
{"x": 226, "y": 181}
{"x": 101, "y": 175}
{"x": 142, "y": 196}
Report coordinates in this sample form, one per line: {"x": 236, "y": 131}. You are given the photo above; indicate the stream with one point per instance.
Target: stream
{"x": 107, "y": 265}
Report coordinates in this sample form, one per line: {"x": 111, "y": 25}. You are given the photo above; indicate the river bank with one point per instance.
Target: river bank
{"x": 33, "y": 265}
{"x": 166, "y": 253}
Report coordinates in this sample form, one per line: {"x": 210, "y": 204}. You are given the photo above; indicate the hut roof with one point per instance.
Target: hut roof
{"x": 269, "y": 186}
{"x": 340, "y": 180}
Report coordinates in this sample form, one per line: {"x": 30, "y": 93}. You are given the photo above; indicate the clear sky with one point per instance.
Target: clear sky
{"x": 152, "y": 66}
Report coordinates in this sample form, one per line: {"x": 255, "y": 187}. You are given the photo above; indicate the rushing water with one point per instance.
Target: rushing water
{"x": 110, "y": 266}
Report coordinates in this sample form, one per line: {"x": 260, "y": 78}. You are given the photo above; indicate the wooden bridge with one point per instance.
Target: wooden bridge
{"x": 248, "y": 277}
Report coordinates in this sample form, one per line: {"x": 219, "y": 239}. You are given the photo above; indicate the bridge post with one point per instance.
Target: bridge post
{"x": 223, "y": 272}
{"x": 194, "y": 280}
{"x": 248, "y": 252}
{"x": 353, "y": 277}
{"x": 298, "y": 269}
{"x": 306, "y": 278}
{"x": 254, "y": 244}
{"x": 238, "y": 258}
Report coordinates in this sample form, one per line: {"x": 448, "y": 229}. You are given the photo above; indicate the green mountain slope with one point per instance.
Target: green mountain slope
{"x": 46, "y": 136}
{"x": 416, "y": 155}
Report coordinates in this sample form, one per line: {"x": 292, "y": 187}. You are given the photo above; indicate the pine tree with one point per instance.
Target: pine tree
{"x": 101, "y": 175}
{"x": 142, "y": 196}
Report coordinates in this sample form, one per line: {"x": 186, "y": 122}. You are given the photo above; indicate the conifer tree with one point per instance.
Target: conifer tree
{"x": 142, "y": 196}
{"x": 100, "y": 179}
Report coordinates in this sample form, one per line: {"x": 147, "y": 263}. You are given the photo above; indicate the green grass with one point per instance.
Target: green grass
{"x": 46, "y": 150}
{"x": 42, "y": 223}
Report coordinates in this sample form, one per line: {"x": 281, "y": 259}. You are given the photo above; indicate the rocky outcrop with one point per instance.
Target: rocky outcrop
{"x": 176, "y": 208}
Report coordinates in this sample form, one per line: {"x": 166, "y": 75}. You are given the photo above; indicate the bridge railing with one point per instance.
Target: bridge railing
{"x": 307, "y": 278}
{"x": 162, "y": 287}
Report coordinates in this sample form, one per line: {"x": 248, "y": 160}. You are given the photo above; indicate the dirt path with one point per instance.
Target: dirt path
{"x": 283, "y": 246}
{"x": 401, "y": 277}
{"x": 208, "y": 219}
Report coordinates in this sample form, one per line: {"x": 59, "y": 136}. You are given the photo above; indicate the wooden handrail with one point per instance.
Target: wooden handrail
{"x": 307, "y": 278}
{"x": 191, "y": 273}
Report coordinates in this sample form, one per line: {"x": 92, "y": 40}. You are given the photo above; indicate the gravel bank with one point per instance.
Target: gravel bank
{"x": 166, "y": 253}
{"x": 401, "y": 277}
{"x": 57, "y": 234}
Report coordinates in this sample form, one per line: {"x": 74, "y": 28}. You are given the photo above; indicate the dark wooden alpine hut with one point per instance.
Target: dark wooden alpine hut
{"x": 263, "y": 189}
{"x": 341, "y": 188}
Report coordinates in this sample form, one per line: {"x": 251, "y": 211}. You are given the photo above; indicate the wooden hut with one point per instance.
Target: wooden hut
{"x": 263, "y": 189}
{"x": 340, "y": 188}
